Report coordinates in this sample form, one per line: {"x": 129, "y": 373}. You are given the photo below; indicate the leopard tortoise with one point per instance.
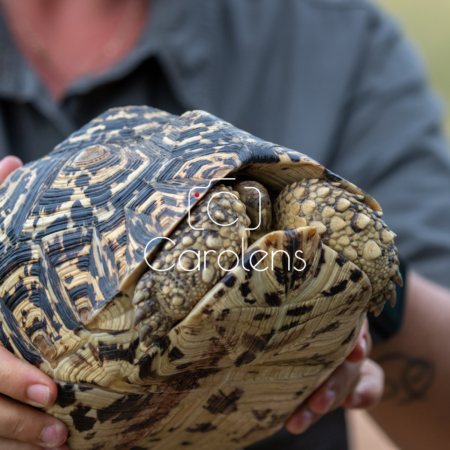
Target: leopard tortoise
{"x": 127, "y": 275}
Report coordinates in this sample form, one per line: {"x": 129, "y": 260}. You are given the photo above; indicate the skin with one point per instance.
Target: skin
{"x": 57, "y": 23}
{"x": 23, "y": 427}
{"x": 414, "y": 411}
{"x": 416, "y": 364}
{"x": 356, "y": 383}
{"x": 69, "y": 54}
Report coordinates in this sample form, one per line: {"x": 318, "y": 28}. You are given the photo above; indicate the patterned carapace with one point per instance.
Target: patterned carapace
{"x": 74, "y": 227}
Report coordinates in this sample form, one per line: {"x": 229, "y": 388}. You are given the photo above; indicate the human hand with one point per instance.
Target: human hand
{"x": 8, "y": 165}
{"x": 21, "y": 384}
{"x": 357, "y": 383}
{"x": 23, "y": 427}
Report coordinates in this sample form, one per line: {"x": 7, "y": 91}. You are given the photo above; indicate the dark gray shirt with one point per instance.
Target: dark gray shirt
{"x": 331, "y": 78}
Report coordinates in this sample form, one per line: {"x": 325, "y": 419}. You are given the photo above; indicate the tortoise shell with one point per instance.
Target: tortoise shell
{"x": 76, "y": 229}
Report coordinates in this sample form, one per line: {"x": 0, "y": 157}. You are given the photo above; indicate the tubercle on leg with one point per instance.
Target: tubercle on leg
{"x": 187, "y": 267}
{"x": 347, "y": 225}
{"x": 397, "y": 276}
{"x": 258, "y": 204}
{"x": 143, "y": 311}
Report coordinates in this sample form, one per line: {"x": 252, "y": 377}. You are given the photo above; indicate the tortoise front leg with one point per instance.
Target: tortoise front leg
{"x": 258, "y": 205}
{"x": 347, "y": 225}
{"x": 187, "y": 267}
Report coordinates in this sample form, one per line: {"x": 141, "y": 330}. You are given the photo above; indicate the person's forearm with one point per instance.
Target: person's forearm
{"x": 414, "y": 410}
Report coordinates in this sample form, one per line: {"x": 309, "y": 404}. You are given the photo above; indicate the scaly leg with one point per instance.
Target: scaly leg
{"x": 192, "y": 264}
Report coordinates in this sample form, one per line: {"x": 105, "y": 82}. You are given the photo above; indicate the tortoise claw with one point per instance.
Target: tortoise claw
{"x": 150, "y": 340}
{"x": 145, "y": 330}
{"x": 378, "y": 309}
{"x": 397, "y": 277}
{"x": 143, "y": 312}
{"x": 143, "y": 288}
{"x": 138, "y": 297}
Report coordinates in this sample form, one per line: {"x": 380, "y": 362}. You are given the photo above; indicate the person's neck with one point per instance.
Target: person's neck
{"x": 68, "y": 39}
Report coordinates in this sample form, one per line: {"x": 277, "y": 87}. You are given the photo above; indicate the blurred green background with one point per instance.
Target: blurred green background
{"x": 426, "y": 22}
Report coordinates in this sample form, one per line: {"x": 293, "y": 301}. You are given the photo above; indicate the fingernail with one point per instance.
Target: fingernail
{"x": 356, "y": 400}
{"x": 300, "y": 422}
{"x": 364, "y": 346}
{"x": 358, "y": 396}
{"x": 52, "y": 435}
{"x": 307, "y": 419}
{"x": 330, "y": 398}
{"x": 39, "y": 394}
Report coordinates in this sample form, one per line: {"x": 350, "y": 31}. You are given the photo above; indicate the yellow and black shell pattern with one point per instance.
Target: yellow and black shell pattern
{"x": 74, "y": 227}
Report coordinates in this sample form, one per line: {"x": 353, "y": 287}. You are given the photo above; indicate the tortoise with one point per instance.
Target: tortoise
{"x": 144, "y": 268}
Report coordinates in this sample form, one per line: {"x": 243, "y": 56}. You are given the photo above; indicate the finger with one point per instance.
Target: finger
{"x": 19, "y": 422}
{"x": 301, "y": 420}
{"x": 365, "y": 332}
{"x": 8, "y": 444}
{"x": 328, "y": 396}
{"x": 363, "y": 346}
{"x": 8, "y": 165}
{"x": 335, "y": 389}
{"x": 369, "y": 390}
{"x": 24, "y": 382}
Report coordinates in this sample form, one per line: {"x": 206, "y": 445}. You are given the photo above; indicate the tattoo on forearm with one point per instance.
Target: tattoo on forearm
{"x": 408, "y": 378}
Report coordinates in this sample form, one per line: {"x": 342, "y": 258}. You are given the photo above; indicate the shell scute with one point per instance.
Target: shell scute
{"x": 75, "y": 230}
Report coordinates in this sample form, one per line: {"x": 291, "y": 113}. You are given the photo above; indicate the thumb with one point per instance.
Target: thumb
{"x": 8, "y": 165}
